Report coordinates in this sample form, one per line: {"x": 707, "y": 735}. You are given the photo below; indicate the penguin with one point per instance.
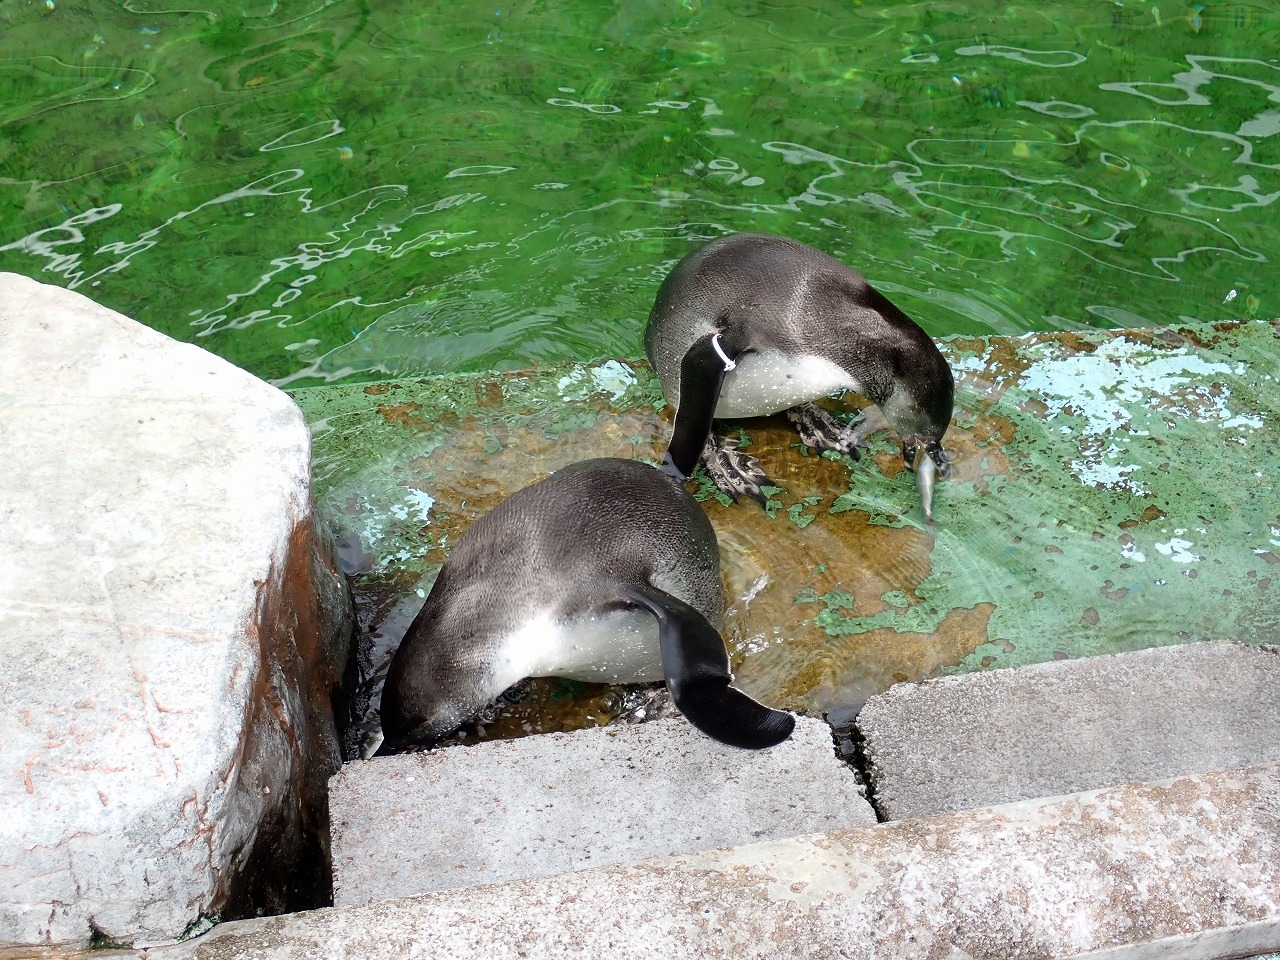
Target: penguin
{"x": 607, "y": 571}
{"x": 753, "y": 324}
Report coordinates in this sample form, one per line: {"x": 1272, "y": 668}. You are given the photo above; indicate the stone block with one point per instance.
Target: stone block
{"x": 1070, "y": 725}
{"x": 540, "y": 805}
{"x": 1185, "y": 869}
{"x": 171, "y": 624}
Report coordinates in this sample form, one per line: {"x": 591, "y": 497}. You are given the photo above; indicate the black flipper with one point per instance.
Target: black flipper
{"x": 701, "y": 375}
{"x": 696, "y": 665}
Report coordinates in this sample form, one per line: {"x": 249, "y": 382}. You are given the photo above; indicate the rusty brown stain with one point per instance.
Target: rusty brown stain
{"x": 403, "y": 414}
{"x": 973, "y": 345}
{"x": 1035, "y": 407}
{"x": 296, "y": 628}
{"x": 1151, "y": 513}
{"x": 1076, "y": 341}
{"x": 1111, "y": 592}
{"x": 375, "y": 389}
{"x": 489, "y": 393}
{"x": 1005, "y": 364}
{"x": 842, "y": 552}
{"x": 1091, "y": 616}
{"x": 978, "y": 453}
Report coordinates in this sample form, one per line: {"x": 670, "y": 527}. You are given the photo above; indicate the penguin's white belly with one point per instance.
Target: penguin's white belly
{"x": 618, "y": 647}
{"x": 764, "y": 382}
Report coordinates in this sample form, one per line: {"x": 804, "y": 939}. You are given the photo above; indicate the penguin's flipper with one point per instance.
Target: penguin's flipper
{"x": 733, "y": 471}
{"x": 696, "y": 665}
{"x": 819, "y": 429}
{"x": 701, "y": 375}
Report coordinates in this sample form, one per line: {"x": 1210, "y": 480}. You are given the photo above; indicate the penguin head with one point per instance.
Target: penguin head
{"x": 416, "y": 711}
{"x": 933, "y": 452}
{"x": 920, "y": 411}
{"x": 442, "y": 673}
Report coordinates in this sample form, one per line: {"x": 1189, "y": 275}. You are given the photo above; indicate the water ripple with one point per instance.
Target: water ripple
{"x": 338, "y": 191}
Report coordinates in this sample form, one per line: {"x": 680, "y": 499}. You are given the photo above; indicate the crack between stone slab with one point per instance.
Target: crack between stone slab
{"x": 853, "y": 754}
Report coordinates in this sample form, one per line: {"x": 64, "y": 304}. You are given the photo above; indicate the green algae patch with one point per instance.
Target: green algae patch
{"x": 1135, "y": 502}
{"x": 1108, "y": 492}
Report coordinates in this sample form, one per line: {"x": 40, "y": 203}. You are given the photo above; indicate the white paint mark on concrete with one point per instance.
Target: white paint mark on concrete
{"x": 1122, "y": 388}
{"x": 420, "y": 503}
{"x": 1178, "y": 550}
{"x": 1130, "y": 551}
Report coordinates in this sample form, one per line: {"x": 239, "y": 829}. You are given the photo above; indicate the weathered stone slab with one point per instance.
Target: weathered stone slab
{"x": 1187, "y": 869}
{"x": 1071, "y": 725}
{"x": 537, "y": 806}
{"x": 171, "y": 624}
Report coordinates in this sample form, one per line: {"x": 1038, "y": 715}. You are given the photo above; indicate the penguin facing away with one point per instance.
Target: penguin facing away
{"x": 752, "y": 324}
{"x": 607, "y": 571}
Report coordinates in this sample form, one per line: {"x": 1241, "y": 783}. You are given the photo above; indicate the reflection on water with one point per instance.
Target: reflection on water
{"x": 350, "y": 193}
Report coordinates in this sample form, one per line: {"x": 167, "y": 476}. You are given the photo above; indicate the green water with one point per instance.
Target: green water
{"x": 343, "y": 191}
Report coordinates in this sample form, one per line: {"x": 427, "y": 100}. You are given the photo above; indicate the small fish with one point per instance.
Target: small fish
{"x": 925, "y": 474}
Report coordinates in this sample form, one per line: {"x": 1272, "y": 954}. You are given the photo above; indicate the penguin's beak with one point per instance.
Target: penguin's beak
{"x": 371, "y": 746}
{"x": 926, "y": 472}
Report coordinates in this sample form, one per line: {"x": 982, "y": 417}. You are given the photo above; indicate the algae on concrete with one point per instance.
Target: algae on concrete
{"x": 1106, "y": 497}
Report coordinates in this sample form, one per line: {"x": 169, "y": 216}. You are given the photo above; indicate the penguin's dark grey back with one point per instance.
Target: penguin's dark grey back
{"x": 790, "y": 298}
{"x": 560, "y": 543}
{"x": 605, "y": 560}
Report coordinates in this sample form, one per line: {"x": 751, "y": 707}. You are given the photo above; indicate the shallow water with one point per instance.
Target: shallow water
{"x": 1108, "y": 493}
{"x": 343, "y": 191}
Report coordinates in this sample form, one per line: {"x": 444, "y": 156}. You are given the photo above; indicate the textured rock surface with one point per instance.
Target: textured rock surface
{"x": 170, "y": 625}
{"x": 1056, "y": 728}
{"x": 1186, "y": 869}
{"x": 549, "y": 804}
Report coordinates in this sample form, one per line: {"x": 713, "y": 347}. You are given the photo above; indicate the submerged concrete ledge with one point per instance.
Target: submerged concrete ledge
{"x": 1186, "y": 868}
{"x": 1103, "y": 500}
{"x": 171, "y": 623}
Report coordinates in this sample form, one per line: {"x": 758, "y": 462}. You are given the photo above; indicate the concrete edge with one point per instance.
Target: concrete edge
{"x": 1244, "y": 940}
{"x": 1089, "y": 723}
{"x": 1187, "y": 868}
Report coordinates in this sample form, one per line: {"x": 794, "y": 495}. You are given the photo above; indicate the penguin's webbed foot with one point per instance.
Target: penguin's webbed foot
{"x": 733, "y": 471}
{"x": 818, "y": 428}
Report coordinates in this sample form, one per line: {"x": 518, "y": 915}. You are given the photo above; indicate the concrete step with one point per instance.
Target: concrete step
{"x": 1186, "y": 868}
{"x": 1070, "y": 725}
{"x": 543, "y": 805}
